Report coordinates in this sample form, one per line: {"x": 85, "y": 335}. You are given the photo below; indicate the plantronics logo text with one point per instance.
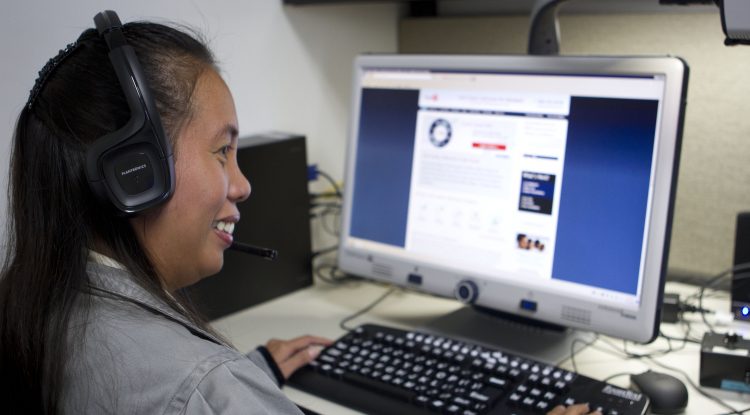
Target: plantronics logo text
{"x": 131, "y": 170}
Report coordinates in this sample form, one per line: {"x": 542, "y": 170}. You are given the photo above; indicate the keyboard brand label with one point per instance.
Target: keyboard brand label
{"x": 622, "y": 393}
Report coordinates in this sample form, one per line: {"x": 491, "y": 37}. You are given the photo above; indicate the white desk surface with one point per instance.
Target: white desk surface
{"x": 318, "y": 309}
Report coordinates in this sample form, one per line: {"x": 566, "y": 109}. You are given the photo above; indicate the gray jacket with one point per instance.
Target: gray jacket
{"x": 132, "y": 354}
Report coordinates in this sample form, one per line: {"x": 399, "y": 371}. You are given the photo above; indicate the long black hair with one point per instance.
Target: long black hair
{"x": 54, "y": 218}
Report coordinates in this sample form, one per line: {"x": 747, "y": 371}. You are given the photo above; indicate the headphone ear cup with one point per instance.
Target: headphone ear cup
{"x": 135, "y": 177}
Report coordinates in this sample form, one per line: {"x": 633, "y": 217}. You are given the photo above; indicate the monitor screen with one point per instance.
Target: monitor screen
{"x": 537, "y": 186}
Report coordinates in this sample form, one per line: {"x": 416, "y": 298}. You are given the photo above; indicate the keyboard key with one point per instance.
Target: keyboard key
{"x": 498, "y": 382}
{"x": 486, "y": 395}
{"x": 437, "y": 404}
{"x": 560, "y": 386}
{"x": 452, "y": 409}
{"x": 515, "y": 398}
{"x": 461, "y": 401}
{"x": 542, "y": 406}
{"x": 396, "y": 392}
{"x": 479, "y": 397}
{"x": 422, "y": 400}
{"x": 445, "y": 396}
{"x": 326, "y": 358}
{"x": 528, "y": 402}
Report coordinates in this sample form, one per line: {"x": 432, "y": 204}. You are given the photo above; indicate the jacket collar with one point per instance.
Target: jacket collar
{"x": 113, "y": 280}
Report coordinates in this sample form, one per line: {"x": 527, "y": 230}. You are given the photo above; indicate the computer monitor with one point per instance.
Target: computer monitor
{"x": 540, "y": 187}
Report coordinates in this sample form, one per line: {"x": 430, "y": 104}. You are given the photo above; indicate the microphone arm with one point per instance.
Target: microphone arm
{"x": 266, "y": 253}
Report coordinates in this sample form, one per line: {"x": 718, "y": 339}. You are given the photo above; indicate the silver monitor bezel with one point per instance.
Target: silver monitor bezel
{"x": 640, "y": 325}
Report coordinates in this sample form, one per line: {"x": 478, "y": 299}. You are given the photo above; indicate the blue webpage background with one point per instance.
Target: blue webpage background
{"x": 604, "y": 185}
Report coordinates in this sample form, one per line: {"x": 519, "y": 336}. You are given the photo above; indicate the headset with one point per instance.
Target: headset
{"x": 131, "y": 169}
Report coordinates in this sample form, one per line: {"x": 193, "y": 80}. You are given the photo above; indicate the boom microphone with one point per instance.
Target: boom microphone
{"x": 267, "y": 253}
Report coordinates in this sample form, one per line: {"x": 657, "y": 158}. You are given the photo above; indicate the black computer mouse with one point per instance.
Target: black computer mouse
{"x": 668, "y": 394}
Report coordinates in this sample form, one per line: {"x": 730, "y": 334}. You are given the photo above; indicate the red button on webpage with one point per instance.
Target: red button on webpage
{"x": 489, "y": 146}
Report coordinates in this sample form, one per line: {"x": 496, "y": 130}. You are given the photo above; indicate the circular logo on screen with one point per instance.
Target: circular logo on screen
{"x": 440, "y": 132}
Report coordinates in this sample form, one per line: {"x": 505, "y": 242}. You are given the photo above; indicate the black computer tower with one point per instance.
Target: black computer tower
{"x": 277, "y": 216}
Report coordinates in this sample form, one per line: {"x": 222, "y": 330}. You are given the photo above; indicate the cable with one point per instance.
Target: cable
{"x": 574, "y": 352}
{"x": 688, "y": 329}
{"x": 325, "y": 250}
{"x": 728, "y": 272}
{"x": 332, "y": 205}
{"x": 333, "y": 230}
{"x": 682, "y": 339}
{"x": 333, "y": 210}
{"x": 737, "y": 412}
{"x": 616, "y": 375}
{"x": 632, "y": 355}
{"x": 323, "y": 195}
{"x": 333, "y": 183}
{"x": 334, "y": 275}
{"x": 372, "y": 305}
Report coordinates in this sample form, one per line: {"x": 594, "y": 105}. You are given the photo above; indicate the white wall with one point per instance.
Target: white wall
{"x": 289, "y": 67}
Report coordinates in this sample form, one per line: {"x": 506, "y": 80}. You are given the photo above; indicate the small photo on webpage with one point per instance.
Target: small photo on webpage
{"x": 527, "y": 242}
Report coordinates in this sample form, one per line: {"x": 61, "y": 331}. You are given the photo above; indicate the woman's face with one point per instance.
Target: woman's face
{"x": 186, "y": 237}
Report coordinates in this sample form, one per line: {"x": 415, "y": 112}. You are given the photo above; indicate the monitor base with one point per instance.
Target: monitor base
{"x": 542, "y": 343}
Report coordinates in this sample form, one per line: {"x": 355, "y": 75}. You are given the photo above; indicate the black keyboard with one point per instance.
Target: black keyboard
{"x": 383, "y": 370}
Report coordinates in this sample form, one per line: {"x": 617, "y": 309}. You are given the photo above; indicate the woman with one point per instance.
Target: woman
{"x": 91, "y": 317}
{"x": 92, "y": 320}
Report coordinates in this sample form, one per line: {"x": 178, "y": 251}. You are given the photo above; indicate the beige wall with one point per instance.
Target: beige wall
{"x": 714, "y": 179}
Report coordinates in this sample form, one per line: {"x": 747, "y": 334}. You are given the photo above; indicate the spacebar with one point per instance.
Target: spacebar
{"x": 378, "y": 386}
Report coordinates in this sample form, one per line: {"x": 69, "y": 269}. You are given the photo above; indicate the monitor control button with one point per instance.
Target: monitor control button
{"x": 467, "y": 291}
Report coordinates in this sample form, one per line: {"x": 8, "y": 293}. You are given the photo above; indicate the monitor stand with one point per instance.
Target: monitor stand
{"x": 534, "y": 339}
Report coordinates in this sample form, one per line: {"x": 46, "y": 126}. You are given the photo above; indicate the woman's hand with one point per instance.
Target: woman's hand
{"x": 579, "y": 409}
{"x": 291, "y": 355}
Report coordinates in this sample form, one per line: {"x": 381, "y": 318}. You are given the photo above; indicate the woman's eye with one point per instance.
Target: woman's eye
{"x": 224, "y": 151}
